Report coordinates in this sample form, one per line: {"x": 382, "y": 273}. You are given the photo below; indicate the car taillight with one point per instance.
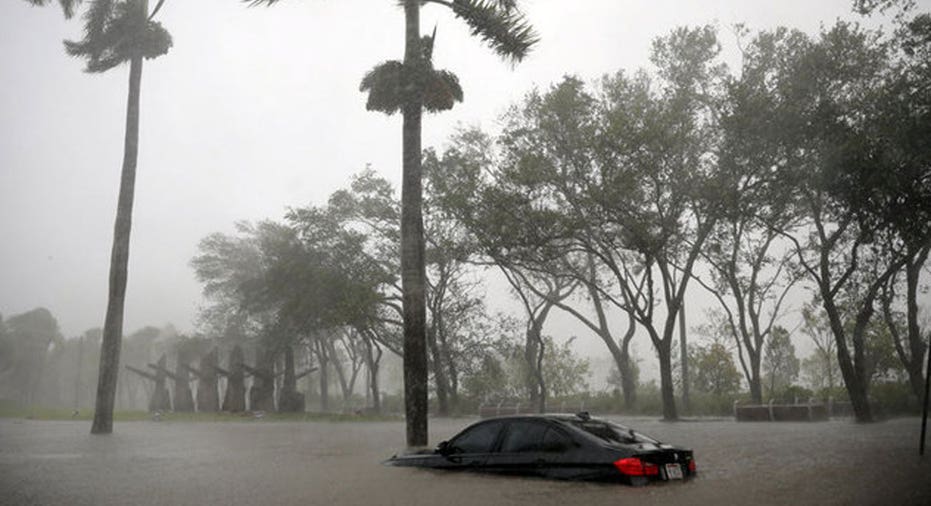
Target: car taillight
{"x": 691, "y": 465}
{"x": 632, "y": 466}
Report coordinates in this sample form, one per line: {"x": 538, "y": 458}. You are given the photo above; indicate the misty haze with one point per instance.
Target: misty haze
{"x": 465, "y": 252}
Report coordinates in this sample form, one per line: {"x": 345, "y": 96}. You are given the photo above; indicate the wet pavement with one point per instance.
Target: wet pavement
{"x": 269, "y": 463}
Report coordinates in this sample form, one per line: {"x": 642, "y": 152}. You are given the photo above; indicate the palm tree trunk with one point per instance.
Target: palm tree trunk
{"x": 119, "y": 260}
{"x": 413, "y": 273}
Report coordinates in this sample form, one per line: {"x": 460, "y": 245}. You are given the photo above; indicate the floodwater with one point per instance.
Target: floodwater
{"x": 268, "y": 463}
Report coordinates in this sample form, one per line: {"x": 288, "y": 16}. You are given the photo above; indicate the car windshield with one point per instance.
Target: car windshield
{"x": 612, "y": 432}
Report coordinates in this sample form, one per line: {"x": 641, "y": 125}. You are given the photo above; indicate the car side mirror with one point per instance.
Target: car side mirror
{"x": 443, "y": 448}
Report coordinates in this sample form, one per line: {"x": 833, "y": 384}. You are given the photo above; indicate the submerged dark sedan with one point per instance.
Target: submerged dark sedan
{"x": 572, "y": 447}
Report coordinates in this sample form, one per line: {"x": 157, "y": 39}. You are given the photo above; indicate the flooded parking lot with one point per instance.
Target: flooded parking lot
{"x": 265, "y": 462}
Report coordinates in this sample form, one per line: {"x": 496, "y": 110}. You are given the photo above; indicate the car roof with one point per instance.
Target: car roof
{"x": 562, "y": 417}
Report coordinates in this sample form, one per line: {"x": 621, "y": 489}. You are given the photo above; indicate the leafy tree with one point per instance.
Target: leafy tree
{"x": 117, "y": 32}
{"x": 821, "y": 366}
{"x": 904, "y": 330}
{"x": 715, "y": 371}
{"x": 487, "y": 381}
{"x": 897, "y": 165}
{"x": 780, "y": 365}
{"x": 867, "y": 7}
{"x": 30, "y": 336}
{"x": 566, "y": 373}
{"x": 625, "y": 178}
{"x": 502, "y": 370}
{"x": 370, "y": 205}
{"x": 846, "y": 248}
{"x": 503, "y": 227}
{"x": 751, "y": 268}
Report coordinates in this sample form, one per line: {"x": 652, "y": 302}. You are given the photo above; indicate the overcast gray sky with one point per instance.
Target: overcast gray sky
{"x": 253, "y": 110}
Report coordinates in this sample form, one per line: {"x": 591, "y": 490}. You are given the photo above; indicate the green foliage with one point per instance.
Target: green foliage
{"x": 564, "y": 372}
{"x": 287, "y": 279}
{"x": 869, "y": 6}
{"x": 789, "y": 394}
{"x": 780, "y": 365}
{"x": 713, "y": 369}
{"x": 820, "y": 369}
{"x": 489, "y": 380}
{"x": 384, "y": 84}
{"x": 894, "y": 398}
{"x": 499, "y": 24}
{"x": 29, "y": 338}
{"x": 501, "y": 375}
{"x": 392, "y": 85}
{"x": 436, "y": 90}
{"x": 67, "y": 6}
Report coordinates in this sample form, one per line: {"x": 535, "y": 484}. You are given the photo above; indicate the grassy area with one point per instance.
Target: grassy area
{"x": 42, "y": 413}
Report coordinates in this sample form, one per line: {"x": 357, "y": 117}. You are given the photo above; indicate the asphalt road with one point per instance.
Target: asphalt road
{"x": 269, "y": 463}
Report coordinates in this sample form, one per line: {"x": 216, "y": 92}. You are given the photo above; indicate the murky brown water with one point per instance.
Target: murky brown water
{"x": 267, "y": 463}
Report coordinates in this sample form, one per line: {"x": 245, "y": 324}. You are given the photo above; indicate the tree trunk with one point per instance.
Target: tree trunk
{"x": 439, "y": 374}
{"x": 262, "y": 393}
{"x": 344, "y": 387}
{"x": 184, "y": 399}
{"x": 77, "y": 375}
{"x": 235, "y": 399}
{"x": 413, "y": 274}
{"x": 119, "y": 259}
{"x": 324, "y": 379}
{"x": 533, "y": 355}
{"x": 628, "y": 383}
{"x": 160, "y": 399}
{"x": 208, "y": 398}
{"x": 664, "y": 352}
{"x": 756, "y": 385}
{"x": 289, "y": 399}
{"x": 372, "y": 362}
{"x": 684, "y": 358}
{"x": 856, "y": 388}
{"x": 916, "y": 343}
{"x": 450, "y": 364}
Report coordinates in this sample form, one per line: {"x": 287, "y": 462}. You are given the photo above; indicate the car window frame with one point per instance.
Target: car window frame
{"x": 504, "y": 434}
{"x": 494, "y": 445}
{"x": 570, "y": 442}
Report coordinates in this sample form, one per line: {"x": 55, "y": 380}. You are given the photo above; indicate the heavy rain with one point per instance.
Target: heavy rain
{"x": 465, "y": 252}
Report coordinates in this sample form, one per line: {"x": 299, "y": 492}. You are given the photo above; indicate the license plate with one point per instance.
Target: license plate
{"x": 673, "y": 472}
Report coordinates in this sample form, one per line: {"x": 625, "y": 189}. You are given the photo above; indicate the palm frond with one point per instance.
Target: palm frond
{"x": 438, "y": 90}
{"x": 384, "y": 86}
{"x": 499, "y": 23}
{"x": 67, "y": 6}
{"x": 441, "y": 91}
{"x": 125, "y": 33}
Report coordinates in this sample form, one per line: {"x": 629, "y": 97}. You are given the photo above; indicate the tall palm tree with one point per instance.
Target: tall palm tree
{"x": 115, "y": 32}
{"x": 503, "y": 27}
{"x": 412, "y": 86}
